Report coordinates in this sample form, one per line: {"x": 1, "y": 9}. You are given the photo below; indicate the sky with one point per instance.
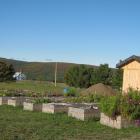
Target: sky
{"x": 78, "y": 31}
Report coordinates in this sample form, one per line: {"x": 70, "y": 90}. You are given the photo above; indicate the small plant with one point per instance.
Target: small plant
{"x": 84, "y": 99}
{"x": 95, "y": 98}
{"x": 76, "y": 100}
{"x": 111, "y": 106}
{"x": 41, "y": 101}
{"x": 130, "y": 105}
{"x": 2, "y": 94}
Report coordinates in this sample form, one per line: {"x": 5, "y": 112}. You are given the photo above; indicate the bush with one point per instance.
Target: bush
{"x": 110, "y": 106}
{"x": 130, "y": 105}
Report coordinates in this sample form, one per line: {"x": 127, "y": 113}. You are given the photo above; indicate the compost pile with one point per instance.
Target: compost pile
{"x": 100, "y": 89}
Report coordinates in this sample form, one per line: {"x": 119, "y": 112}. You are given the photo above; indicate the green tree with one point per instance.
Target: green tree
{"x": 84, "y": 76}
{"x": 103, "y": 74}
{"x": 117, "y": 79}
{"x": 78, "y": 76}
{"x": 6, "y": 72}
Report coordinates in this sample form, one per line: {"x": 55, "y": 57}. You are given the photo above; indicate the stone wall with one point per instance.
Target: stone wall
{"x": 118, "y": 123}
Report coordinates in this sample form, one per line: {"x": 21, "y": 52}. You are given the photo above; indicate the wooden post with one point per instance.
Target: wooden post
{"x": 55, "y": 74}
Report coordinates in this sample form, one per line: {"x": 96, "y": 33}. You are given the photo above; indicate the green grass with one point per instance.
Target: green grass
{"x": 16, "y": 124}
{"x": 34, "y": 86}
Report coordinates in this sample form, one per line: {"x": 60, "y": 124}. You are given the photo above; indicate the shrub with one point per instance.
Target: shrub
{"x": 110, "y": 106}
{"x": 130, "y": 105}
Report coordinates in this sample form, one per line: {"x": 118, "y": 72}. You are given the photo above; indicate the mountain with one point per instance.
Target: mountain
{"x": 41, "y": 70}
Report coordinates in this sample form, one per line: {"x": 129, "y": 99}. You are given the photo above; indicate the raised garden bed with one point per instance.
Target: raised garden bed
{"x": 119, "y": 122}
{"x": 55, "y": 108}
{"x": 4, "y": 100}
{"x": 15, "y": 102}
{"x": 121, "y": 111}
{"x": 84, "y": 113}
{"x": 32, "y": 106}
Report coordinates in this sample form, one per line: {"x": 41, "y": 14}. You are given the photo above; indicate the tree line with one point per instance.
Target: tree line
{"x": 83, "y": 76}
{"x": 78, "y": 76}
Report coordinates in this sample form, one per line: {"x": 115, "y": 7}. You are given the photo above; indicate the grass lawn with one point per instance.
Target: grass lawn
{"x": 16, "y": 124}
{"x": 35, "y": 86}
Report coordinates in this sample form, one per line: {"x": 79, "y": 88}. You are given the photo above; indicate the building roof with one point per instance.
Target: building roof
{"x": 128, "y": 60}
{"x": 17, "y": 74}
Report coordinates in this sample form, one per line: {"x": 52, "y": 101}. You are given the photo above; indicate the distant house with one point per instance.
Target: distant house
{"x": 19, "y": 76}
{"x": 131, "y": 75}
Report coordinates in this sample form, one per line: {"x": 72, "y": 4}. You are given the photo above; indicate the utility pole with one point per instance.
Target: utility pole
{"x": 55, "y": 74}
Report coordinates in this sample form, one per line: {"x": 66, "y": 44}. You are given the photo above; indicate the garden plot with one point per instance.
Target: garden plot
{"x": 32, "y": 106}
{"x": 84, "y": 113}
{"x": 55, "y": 108}
{"x": 118, "y": 122}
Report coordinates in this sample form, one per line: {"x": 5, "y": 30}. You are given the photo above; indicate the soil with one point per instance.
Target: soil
{"x": 100, "y": 89}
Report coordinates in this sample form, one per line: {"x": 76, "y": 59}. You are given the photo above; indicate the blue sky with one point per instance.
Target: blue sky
{"x": 79, "y": 31}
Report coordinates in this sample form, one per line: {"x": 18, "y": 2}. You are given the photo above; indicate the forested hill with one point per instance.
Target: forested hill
{"x": 40, "y": 70}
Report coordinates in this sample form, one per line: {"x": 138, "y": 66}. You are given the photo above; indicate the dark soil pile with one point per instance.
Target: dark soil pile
{"x": 100, "y": 89}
